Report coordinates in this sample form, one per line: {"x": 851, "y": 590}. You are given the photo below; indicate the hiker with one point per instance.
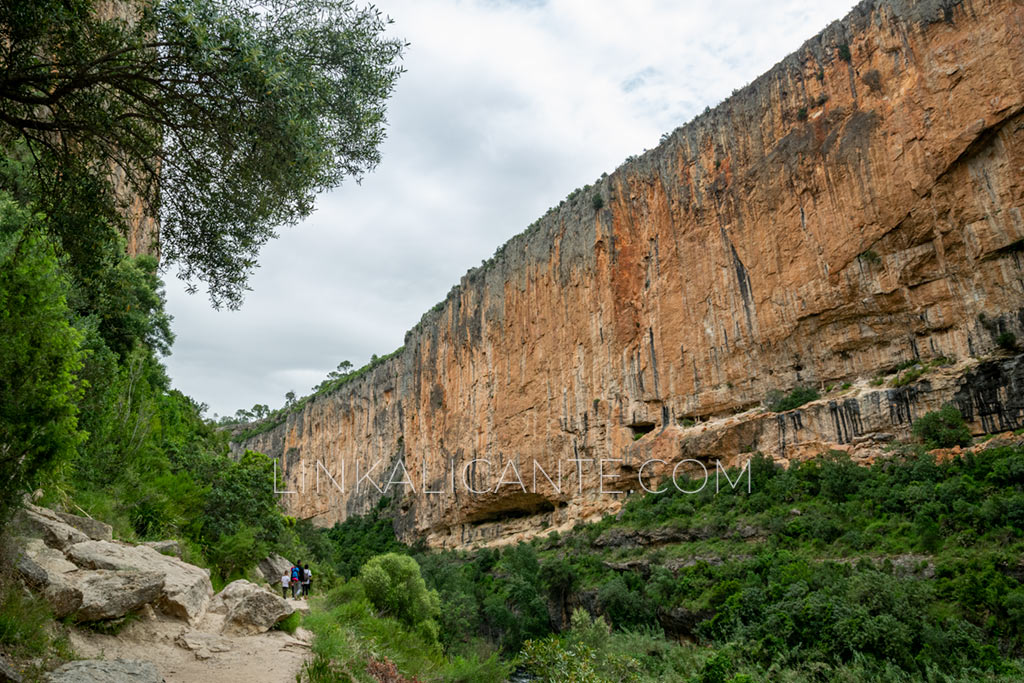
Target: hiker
{"x": 307, "y": 580}
{"x": 286, "y": 582}
{"x": 296, "y": 579}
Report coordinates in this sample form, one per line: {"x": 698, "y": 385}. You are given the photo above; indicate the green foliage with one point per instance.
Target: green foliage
{"x": 349, "y": 632}
{"x": 1007, "y": 341}
{"x": 870, "y": 256}
{"x": 233, "y": 553}
{"x": 290, "y": 623}
{"x": 778, "y": 402}
{"x": 943, "y": 428}
{"x": 26, "y": 629}
{"x": 552, "y": 659}
{"x": 351, "y": 543}
{"x": 394, "y": 586}
{"x": 622, "y": 598}
{"x": 250, "y": 111}
{"x": 844, "y": 53}
{"x": 39, "y": 356}
{"x": 801, "y": 114}
{"x": 597, "y": 201}
{"x": 910, "y": 371}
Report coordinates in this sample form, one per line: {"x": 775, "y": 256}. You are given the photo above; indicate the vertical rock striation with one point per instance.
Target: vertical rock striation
{"x": 856, "y": 206}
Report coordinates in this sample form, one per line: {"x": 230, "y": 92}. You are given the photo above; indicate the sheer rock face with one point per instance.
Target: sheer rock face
{"x": 828, "y": 221}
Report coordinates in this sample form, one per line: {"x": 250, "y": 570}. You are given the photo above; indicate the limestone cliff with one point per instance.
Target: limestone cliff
{"x": 856, "y": 206}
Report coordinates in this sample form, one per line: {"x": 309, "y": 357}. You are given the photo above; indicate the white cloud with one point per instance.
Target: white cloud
{"x": 505, "y": 108}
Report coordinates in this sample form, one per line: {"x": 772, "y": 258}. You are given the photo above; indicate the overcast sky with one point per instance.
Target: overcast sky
{"x": 504, "y": 109}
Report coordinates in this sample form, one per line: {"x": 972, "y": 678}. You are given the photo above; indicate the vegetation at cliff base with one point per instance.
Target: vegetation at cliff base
{"x": 904, "y": 570}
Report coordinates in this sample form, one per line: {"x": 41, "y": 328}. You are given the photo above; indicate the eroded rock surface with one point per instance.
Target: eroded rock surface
{"x": 186, "y": 591}
{"x": 250, "y": 609}
{"x": 109, "y": 594}
{"x": 829, "y": 221}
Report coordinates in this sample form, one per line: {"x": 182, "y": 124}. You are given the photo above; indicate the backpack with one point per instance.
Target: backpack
{"x": 295, "y": 573}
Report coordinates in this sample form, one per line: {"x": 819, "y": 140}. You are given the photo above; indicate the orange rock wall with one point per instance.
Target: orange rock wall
{"x": 824, "y": 223}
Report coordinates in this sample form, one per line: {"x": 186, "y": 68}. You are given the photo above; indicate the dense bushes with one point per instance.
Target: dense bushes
{"x": 895, "y": 571}
{"x": 943, "y": 428}
{"x": 394, "y": 586}
{"x": 39, "y": 356}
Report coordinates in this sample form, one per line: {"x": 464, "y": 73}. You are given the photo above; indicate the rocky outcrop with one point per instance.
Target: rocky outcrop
{"x": 110, "y": 594}
{"x": 186, "y": 590}
{"x": 47, "y": 571}
{"x": 856, "y": 207}
{"x": 273, "y": 568}
{"x": 47, "y": 525}
{"x": 93, "y": 528}
{"x": 250, "y": 609}
{"x": 101, "y": 671}
{"x": 95, "y": 580}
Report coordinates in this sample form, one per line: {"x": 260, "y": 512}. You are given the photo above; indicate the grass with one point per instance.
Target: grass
{"x": 30, "y": 640}
{"x": 290, "y": 623}
{"x": 351, "y": 640}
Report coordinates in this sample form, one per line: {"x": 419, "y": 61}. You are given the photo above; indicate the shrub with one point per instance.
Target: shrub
{"x": 844, "y": 53}
{"x": 777, "y": 402}
{"x": 1007, "y": 340}
{"x": 802, "y": 114}
{"x": 394, "y": 586}
{"x": 290, "y": 623}
{"x": 597, "y": 201}
{"x": 943, "y": 428}
{"x": 870, "y": 256}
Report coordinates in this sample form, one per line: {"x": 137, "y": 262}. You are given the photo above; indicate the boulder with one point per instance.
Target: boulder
{"x": 106, "y": 671}
{"x": 109, "y": 594}
{"x": 187, "y": 589}
{"x": 165, "y": 547}
{"x": 273, "y": 568}
{"x": 232, "y": 594}
{"x": 39, "y": 522}
{"x": 47, "y": 571}
{"x": 93, "y": 528}
{"x": 251, "y": 609}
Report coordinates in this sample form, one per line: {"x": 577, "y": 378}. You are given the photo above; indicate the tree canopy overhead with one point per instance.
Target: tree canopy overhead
{"x": 226, "y": 117}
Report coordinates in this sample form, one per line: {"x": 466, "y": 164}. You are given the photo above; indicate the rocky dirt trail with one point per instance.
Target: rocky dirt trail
{"x": 177, "y": 629}
{"x": 185, "y": 654}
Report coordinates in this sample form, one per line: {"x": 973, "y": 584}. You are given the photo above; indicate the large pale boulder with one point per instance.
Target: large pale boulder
{"x": 46, "y": 570}
{"x": 38, "y": 522}
{"x": 109, "y": 594}
{"x": 273, "y": 568}
{"x": 93, "y": 528}
{"x": 232, "y": 594}
{"x": 106, "y": 671}
{"x": 187, "y": 589}
{"x": 250, "y": 608}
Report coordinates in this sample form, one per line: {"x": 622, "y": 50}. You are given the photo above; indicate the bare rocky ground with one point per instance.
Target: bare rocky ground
{"x": 172, "y": 625}
{"x": 183, "y": 653}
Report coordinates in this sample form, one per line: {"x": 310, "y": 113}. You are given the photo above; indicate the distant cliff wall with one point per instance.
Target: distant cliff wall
{"x": 856, "y": 206}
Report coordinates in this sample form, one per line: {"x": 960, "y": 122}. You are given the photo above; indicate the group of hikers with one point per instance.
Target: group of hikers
{"x": 299, "y": 580}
